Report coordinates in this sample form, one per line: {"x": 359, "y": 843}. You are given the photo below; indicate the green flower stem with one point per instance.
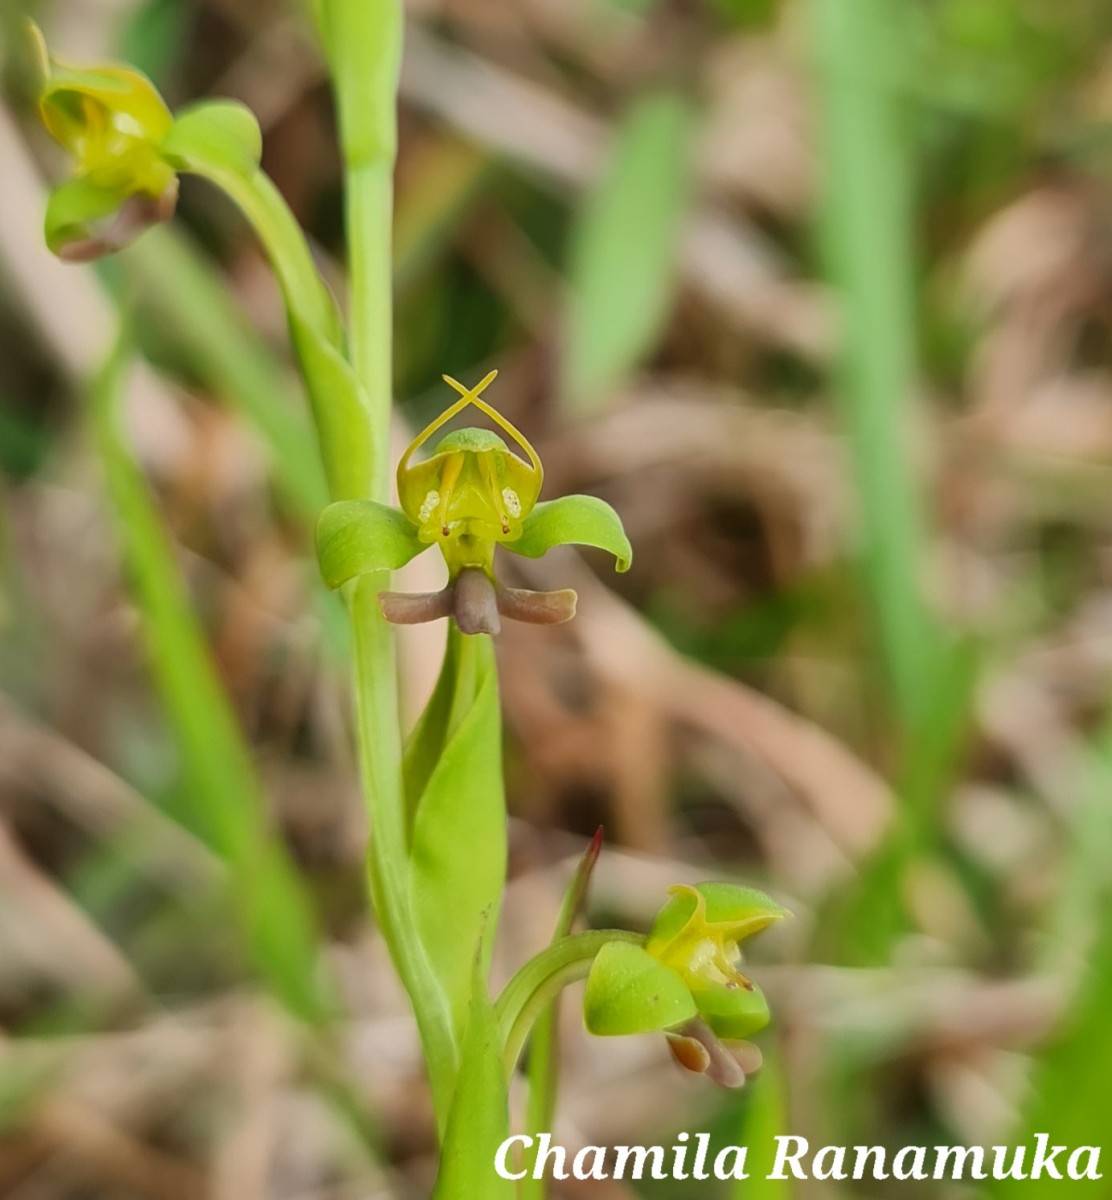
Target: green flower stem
{"x": 370, "y": 241}
{"x": 350, "y": 443}
{"x": 351, "y": 408}
{"x": 263, "y": 205}
{"x": 363, "y": 44}
{"x": 380, "y": 755}
{"x": 541, "y": 980}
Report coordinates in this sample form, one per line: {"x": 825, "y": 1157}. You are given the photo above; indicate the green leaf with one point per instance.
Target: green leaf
{"x": 573, "y": 520}
{"x": 625, "y": 248}
{"x": 629, "y": 991}
{"x": 458, "y": 842}
{"x": 355, "y": 537}
{"x": 478, "y": 1121}
{"x": 221, "y": 133}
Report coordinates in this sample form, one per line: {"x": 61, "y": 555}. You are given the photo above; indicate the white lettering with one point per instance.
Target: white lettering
{"x": 1000, "y": 1166}
{"x": 836, "y": 1167}
{"x": 783, "y": 1158}
{"x": 503, "y": 1152}
{"x": 917, "y": 1170}
{"x": 961, "y": 1155}
{"x": 640, "y": 1155}
{"x": 861, "y": 1156}
{"x": 597, "y": 1155}
{"x": 1042, "y": 1161}
{"x": 737, "y": 1169}
{"x": 1092, "y": 1164}
{"x": 545, "y": 1151}
{"x": 699, "y": 1171}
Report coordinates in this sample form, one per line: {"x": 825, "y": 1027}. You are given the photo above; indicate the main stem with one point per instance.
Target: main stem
{"x": 363, "y": 41}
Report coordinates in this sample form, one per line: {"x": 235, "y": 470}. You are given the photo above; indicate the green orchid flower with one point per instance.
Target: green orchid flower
{"x": 686, "y": 982}
{"x": 472, "y": 495}
{"x": 112, "y": 121}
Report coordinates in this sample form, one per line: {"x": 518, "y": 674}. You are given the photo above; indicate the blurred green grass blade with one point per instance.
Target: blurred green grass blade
{"x": 765, "y": 1119}
{"x": 872, "y": 915}
{"x": 181, "y": 292}
{"x": 226, "y": 797}
{"x": 867, "y": 231}
{"x": 1086, "y": 892}
{"x": 433, "y": 195}
{"x": 153, "y": 35}
{"x": 625, "y": 246}
{"x": 1072, "y": 1083}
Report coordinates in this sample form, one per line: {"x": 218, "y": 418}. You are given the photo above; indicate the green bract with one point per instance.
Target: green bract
{"x": 685, "y": 981}
{"x": 472, "y": 495}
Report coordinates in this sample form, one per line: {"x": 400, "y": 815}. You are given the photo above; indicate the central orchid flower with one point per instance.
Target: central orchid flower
{"x": 472, "y": 495}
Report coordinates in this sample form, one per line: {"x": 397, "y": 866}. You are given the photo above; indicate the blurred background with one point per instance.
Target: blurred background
{"x": 816, "y": 293}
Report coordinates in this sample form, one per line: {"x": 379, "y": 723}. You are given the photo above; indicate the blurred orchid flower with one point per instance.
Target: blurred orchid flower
{"x": 112, "y": 122}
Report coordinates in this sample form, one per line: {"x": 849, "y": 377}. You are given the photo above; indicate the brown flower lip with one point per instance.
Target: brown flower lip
{"x": 478, "y": 602}
{"x": 136, "y": 214}
{"x": 697, "y": 1048}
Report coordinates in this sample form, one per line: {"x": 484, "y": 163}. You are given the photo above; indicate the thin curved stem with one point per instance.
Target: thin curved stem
{"x": 542, "y": 979}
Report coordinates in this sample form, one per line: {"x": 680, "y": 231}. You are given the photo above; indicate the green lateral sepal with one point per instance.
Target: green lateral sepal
{"x": 356, "y": 537}
{"x": 630, "y": 991}
{"x": 574, "y": 520}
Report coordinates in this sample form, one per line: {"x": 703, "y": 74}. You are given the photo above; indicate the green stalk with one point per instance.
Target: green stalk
{"x": 537, "y": 984}
{"x": 867, "y": 235}
{"x": 363, "y": 43}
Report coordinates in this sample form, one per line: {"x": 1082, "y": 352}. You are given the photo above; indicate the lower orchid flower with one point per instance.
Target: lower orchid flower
{"x": 685, "y": 982}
